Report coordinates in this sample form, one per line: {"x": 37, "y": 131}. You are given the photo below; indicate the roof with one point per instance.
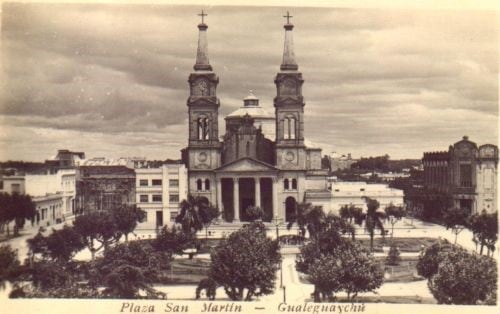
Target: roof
{"x": 253, "y": 111}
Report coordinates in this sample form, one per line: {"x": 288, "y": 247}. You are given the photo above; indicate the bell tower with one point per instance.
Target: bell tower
{"x": 289, "y": 108}
{"x": 203, "y": 107}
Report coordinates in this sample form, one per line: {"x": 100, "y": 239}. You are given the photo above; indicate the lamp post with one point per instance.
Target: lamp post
{"x": 277, "y": 223}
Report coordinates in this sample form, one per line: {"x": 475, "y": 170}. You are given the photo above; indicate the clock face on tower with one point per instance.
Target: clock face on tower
{"x": 201, "y": 88}
{"x": 288, "y": 87}
{"x": 289, "y": 156}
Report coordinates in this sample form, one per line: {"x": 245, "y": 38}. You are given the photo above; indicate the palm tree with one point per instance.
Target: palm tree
{"x": 189, "y": 216}
{"x": 310, "y": 218}
{"x": 373, "y": 219}
{"x": 341, "y": 225}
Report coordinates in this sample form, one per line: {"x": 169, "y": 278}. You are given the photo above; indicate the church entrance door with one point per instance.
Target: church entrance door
{"x": 290, "y": 208}
{"x": 247, "y": 196}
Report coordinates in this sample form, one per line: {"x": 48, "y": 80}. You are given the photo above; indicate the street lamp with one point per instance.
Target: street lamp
{"x": 277, "y": 223}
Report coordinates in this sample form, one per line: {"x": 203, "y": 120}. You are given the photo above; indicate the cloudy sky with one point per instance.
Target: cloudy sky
{"x": 111, "y": 80}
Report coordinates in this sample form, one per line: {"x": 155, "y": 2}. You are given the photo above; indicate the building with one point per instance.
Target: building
{"x": 64, "y": 159}
{"x": 159, "y": 192}
{"x": 12, "y": 184}
{"x": 466, "y": 172}
{"x": 61, "y": 183}
{"x": 340, "y": 162}
{"x": 53, "y": 194}
{"x": 49, "y": 210}
{"x": 250, "y": 165}
{"x": 353, "y": 193}
{"x": 104, "y": 187}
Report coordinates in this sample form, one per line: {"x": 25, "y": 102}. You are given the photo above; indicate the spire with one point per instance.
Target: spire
{"x": 202, "y": 63}
{"x": 288, "y": 54}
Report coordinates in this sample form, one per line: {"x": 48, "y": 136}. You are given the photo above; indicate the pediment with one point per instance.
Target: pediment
{"x": 246, "y": 165}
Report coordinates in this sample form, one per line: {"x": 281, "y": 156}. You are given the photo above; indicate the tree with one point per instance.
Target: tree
{"x": 97, "y": 226}
{"x": 325, "y": 274}
{"x": 393, "y": 257}
{"x": 464, "y": 278}
{"x": 207, "y": 215}
{"x": 128, "y": 268}
{"x": 342, "y": 225}
{"x": 431, "y": 257}
{"x": 173, "y": 240}
{"x": 310, "y": 218}
{"x": 189, "y": 217}
{"x": 456, "y": 220}
{"x": 360, "y": 271}
{"x": 254, "y": 213}
{"x": 352, "y": 214}
{"x": 324, "y": 244}
{"x": 246, "y": 261}
{"x": 60, "y": 246}
{"x": 345, "y": 265}
{"x": 373, "y": 219}
{"x": 484, "y": 226}
{"x": 394, "y": 214}
{"x": 126, "y": 218}
{"x": 15, "y": 207}
{"x": 9, "y": 264}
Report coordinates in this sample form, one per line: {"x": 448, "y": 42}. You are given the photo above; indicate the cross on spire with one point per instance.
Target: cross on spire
{"x": 288, "y": 16}
{"x": 202, "y": 14}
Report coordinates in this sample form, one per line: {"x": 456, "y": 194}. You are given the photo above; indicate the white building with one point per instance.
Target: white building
{"x": 49, "y": 209}
{"x": 159, "y": 192}
{"x": 52, "y": 193}
{"x": 62, "y": 183}
{"x": 353, "y": 193}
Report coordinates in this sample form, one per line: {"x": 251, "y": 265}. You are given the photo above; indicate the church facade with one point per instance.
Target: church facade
{"x": 262, "y": 159}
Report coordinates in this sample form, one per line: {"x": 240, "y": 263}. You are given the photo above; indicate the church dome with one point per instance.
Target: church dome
{"x": 252, "y": 108}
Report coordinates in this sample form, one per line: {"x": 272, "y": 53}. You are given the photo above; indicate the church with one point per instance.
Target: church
{"x": 260, "y": 159}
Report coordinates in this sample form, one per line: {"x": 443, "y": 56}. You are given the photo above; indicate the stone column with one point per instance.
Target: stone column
{"x": 275, "y": 198}
{"x": 236, "y": 199}
{"x": 219, "y": 195}
{"x": 257, "y": 192}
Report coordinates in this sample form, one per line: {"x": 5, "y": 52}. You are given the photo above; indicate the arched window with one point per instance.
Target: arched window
{"x": 286, "y": 184}
{"x": 289, "y": 128}
{"x": 203, "y": 129}
{"x": 294, "y": 184}
{"x": 207, "y": 184}
{"x": 286, "y": 129}
{"x": 199, "y": 185}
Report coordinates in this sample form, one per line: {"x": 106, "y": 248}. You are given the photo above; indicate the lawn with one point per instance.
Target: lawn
{"x": 186, "y": 271}
{"x": 404, "y": 244}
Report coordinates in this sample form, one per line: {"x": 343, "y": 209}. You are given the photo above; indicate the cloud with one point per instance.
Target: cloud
{"x": 114, "y": 77}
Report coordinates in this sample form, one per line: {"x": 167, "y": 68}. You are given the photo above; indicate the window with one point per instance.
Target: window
{"x": 290, "y": 128}
{"x": 143, "y": 182}
{"x": 207, "y": 184}
{"x": 286, "y": 184}
{"x": 466, "y": 175}
{"x": 157, "y": 198}
{"x": 173, "y": 183}
{"x": 173, "y": 198}
{"x": 202, "y": 126}
{"x": 1, "y": 185}
{"x": 143, "y": 198}
{"x": 362, "y": 190}
{"x": 156, "y": 182}
{"x": 294, "y": 184}
{"x": 199, "y": 185}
